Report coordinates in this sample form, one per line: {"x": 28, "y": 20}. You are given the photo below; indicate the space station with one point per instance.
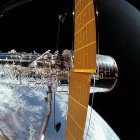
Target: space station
{"x": 75, "y": 74}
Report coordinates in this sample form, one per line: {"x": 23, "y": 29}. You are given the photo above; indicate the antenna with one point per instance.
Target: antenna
{"x": 61, "y": 19}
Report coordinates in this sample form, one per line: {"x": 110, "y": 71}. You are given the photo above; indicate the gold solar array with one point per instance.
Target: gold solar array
{"x": 84, "y": 65}
{"x": 84, "y": 37}
{"x": 77, "y": 106}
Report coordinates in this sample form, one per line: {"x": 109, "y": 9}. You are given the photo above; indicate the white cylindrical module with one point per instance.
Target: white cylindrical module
{"x": 106, "y": 75}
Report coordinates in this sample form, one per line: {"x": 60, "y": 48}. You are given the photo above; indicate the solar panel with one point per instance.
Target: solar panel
{"x": 77, "y": 106}
{"x": 84, "y": 37}
{"x": 84, "y": 65}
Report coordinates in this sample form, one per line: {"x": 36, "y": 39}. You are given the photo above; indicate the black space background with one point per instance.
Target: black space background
{"x": 33, "y": 26}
